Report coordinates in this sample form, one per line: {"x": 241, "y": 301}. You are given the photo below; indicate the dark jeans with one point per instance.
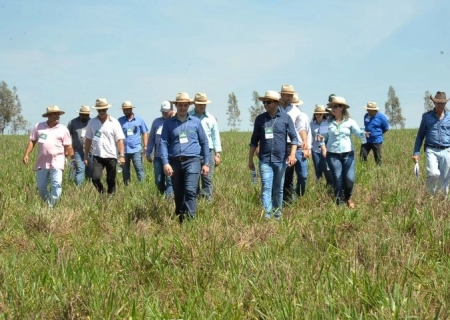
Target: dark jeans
{"x": 97, "y": 170}
{"x": 365, "y": 150}
{"x": 342, "y": 166}
{"x": 138, "y": 166}
{"x": 301, "y": 169}
{"x": 321, "y": 167}
{"x": 184, "y": 181}
{"x": 206, "y": 188}
{"x": 163, "y": 183}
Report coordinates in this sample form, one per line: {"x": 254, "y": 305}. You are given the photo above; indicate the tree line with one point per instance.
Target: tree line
{"x": 11, "y": 117}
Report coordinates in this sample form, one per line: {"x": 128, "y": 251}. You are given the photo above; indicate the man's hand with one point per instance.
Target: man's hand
{"x": 205, "y": 170}
{"x": 149, "y": 159}
{"x": 25, "y": 159}
{"x": 251, "y": 165}
{"x": 291, "y": 160}
{"x": 217, "y": 160}
{"x": 415, "y": 159}
{"x": 168, "y": 171}
{"x": 122, "y": 161}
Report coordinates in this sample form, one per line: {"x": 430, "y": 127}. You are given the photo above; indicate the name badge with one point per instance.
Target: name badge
{"x": 129, "y": 132}
{"x": 268, "y": 133}
{"x": 183, "y": 137}
{"x": 83, "y": 133}
{"x": 97, "y": 135}
{"x": 42, "y": 138}
{"x": 159, "y": 130}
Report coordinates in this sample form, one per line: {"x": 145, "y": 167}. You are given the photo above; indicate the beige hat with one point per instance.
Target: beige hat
{"x": 182, "y": 97}
{"x": 371, "y": 105}
{"x": 440, "y": 97}
{"x": 85, "y": 110}
{"x": 127, "y": 105}
{"x": 101, "y": 104}
{"x": 287, "y": 89}
{"x": 320, "y": 109}
{"x": 53, "y": 109}
{"x": 338, "y": 100}
{"x": 200, "y": 98}
{"x": 270, "y": 95}
{"x": 296, "y": 100}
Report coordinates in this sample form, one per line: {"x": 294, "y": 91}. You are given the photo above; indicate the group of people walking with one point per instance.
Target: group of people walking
{"x": 185, "y": 146}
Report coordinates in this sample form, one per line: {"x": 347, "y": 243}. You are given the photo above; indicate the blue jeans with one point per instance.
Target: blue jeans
{"x": 138, "y": 166}
{"x": 342, "y": 166}
{"x": 301, "y": 169}
{"x": 163, "y": 183}
{"x": 321, "y": 167}
{"x": 54, "y": 176}
{"x": 82, "y": 171}
{"x": 438, "y": 170}
{"x": 272, "y": 180}
{"x": 206, "y": 189}
{"x": 184, "y": 180}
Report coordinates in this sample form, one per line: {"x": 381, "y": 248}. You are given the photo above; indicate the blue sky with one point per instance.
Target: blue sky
{"x": 70, "y": 53}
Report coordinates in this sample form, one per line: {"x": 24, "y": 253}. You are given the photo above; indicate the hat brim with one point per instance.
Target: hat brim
{"x": 373, "y": 109}
{"x": 127, "y": 107}
{"x": 343, "y": 104}
{"x": 81, "y": 112}
{"x": 438, "y": 100}
{"x": 299, "y": 103}
{"x": 268, "y": 98}
{"x": 286, "y": 92}
{"x": 182, "y": 101}
{"x": 47, "y": 113}
{"x": 102, "y": 107}
{"x": 202, "y": 102}
{"x": 320, "y": 112}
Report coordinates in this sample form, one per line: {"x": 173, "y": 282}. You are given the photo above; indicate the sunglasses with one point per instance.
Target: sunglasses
{"x": 268, "y": 102}
{"x": 101, "y": 111}
{"x": 336, "y": 106}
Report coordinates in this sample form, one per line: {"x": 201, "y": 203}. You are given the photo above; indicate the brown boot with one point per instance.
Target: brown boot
{"x": 350, "y": 204}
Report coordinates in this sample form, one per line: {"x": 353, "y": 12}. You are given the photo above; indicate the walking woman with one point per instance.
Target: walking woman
{"x": 339, "y": 150}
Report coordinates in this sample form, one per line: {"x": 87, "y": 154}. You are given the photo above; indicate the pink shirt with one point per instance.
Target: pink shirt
{"x": 51, "y": 142}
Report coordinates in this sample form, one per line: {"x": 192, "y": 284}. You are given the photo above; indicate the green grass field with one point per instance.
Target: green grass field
{"x": 127, "y": 257}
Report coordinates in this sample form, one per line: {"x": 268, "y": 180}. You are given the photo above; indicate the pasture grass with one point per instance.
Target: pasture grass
{"x": 126, "y": 256}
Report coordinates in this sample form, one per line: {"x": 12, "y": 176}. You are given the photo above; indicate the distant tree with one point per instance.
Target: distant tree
{"x": 10, "y": 109}
{"x": 18, "y": 125}
{"x": 233, "y": 113}
{"x": 256, "y": 108}
{"x": 393, "y": 110}
{"x": 427, "y": 103}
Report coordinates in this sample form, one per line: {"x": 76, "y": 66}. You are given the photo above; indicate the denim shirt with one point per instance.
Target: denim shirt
{"x": 273, "y": 149}
{"x": 133, "y": 129}
{"x": 435, "y": 132}
{"x": 377, "y": 126}
{"x": 197, "y": 141}
{"x": 338, "y": 138}
{"x": 154, "y": 137}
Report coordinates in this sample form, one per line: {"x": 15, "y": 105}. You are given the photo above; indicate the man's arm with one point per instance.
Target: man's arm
{"x": 29, "y": 148}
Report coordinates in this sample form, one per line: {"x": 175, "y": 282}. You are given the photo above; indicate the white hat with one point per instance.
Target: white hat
{"x": 166, "y": 106}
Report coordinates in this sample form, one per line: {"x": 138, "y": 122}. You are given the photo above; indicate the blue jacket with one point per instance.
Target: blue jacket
{"x": 377, "y": 126}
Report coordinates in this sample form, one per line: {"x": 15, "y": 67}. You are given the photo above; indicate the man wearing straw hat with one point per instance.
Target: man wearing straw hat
{"x": 435, "y": 129}
{"x": 77, "y": 129}
{"x": 270, "y": 131}
{"x": 54, "y": 143}
{"x": 211, "y": 128}
{"x": 183, "y": 143}
{"x": 104, "y": 134}
{"x": 375, "y": 125}
{"x": 136, "y": 138}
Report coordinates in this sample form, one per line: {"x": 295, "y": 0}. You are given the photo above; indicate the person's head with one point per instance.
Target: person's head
{"x": 127, "y": 108}
{"x": 339, "y": 108}
{"x": 286, "y": 94}
{"x": 320, "y": 113}
{"x": 440, "y": 99}
{"x": 330, "y": 97}
{"x": 102, "y": 106}
{"x": 166, "y": 108}
{"x": 271, "y": 100}
{"x": 296, "y": 100}
{"x": 182, "y": 102}
{"x": 371, "y": 108}
{"x": 84, "y": 113}
{"x": 52, "y": 114}
{"x": 200, "y": 102}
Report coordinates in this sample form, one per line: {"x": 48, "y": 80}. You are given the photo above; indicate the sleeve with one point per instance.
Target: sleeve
{"x": 67, "y": 139}
{"x": 384, "y": 123}
{"x": 119, "y": 132}
{"x": 203, "y": 140}
{"x": 89, "y": 132}
{"x": 34, "y": 134}
{"x": 163, "y": 144}
{"x": 144, "y": 128}
{"x": 291, "y": 131}
{"x": 256, "y": 137}
{"x": 357, "y": 131}
{"x": 217, "y": 144}
{"x": 420, "y": 136}
{"x": 151, "y": 140}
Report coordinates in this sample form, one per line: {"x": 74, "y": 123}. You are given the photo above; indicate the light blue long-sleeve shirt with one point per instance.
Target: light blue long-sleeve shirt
{"x": 338, "y": 138}
{"x": 436, "y": 132}
{"x": 211, "y": 128}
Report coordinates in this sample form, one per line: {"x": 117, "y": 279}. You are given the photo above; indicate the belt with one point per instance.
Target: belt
{"x": 437, "y": 147}
{"x": 181, "y": 158}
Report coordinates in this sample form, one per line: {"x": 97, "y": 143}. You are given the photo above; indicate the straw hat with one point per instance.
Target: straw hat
{"x": 296, "y": 100}
{"x": 53, "y": 109}
{"x": 371, "y": 105}
{"x": 200, "y": 98}
{"x": 338, "y": 100}
{"x": 85, "y": 110}
{"x": 101, "y": 104}
{"x": 440, "y": 97}
{"x": 287, "y": 89}
{"x": 127, "y": 105}
{"x": 270, "y": 95}
{"x": 182, "y": 97}
{"x": 320, "y": 109}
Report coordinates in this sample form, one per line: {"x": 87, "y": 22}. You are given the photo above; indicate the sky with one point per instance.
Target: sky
{"x": 69, "y": 53}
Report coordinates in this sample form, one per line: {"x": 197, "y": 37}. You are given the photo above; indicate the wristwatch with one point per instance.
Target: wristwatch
{"x": 206, "y": 164}
{"x": 121, "y": 155}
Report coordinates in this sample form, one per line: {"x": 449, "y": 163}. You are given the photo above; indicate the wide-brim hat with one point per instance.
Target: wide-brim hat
{"x": 182, "y": 97}
{"x": 338, "y": 100}
{"x": 440, "y": 97}
{"x": 270, "y": 95}
{"x": 287, "y": 89}
{"x": 127, "y": 105}
{"x": 296, "y": 100}
{"x": 101, "y": 104}
{"x": 53, "y": 109}
{"x": 371, "y": 105}
{"x": 200, "y": 98}
{"x": 320, "y": 109}
{"x": 85, "y": 110}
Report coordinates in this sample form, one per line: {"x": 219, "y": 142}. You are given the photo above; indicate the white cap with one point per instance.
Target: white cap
{"x": 166, "y": 106}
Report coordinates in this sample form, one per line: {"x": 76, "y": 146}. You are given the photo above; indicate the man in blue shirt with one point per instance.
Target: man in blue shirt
{"x": 163, "y": 182}
{"x": 183, "y": 143}
{"x": 271, "y": 130}
{"x": 136, "y": 135}
{"x": 375, "y": 125}
{"x": 435, "y": 129}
